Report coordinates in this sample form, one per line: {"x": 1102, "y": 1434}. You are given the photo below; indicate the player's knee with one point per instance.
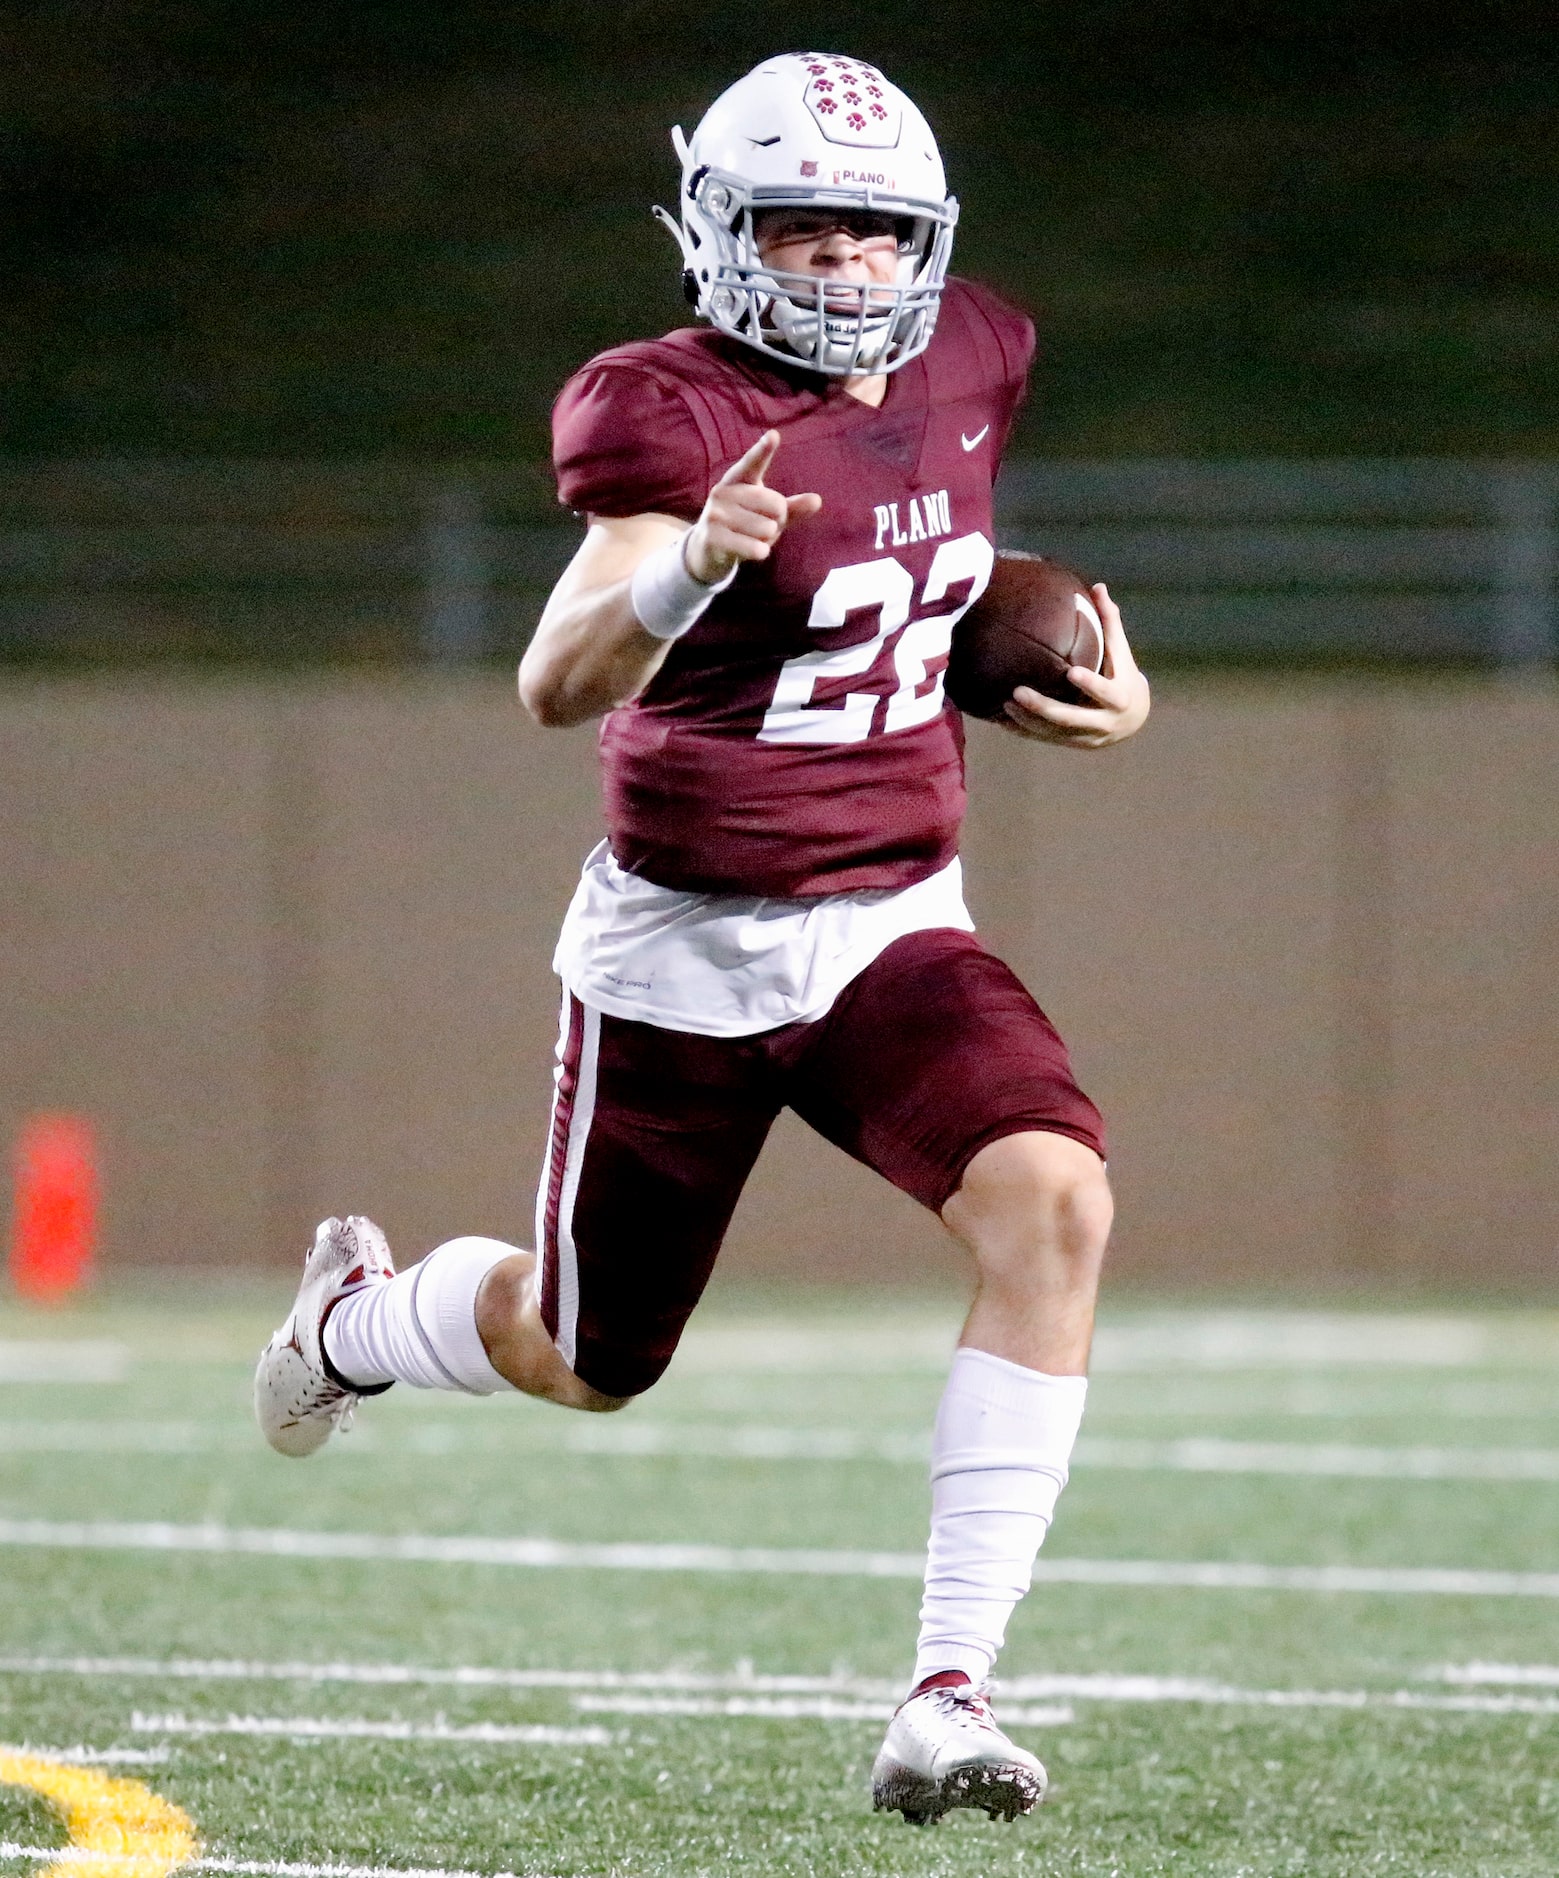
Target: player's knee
{"x": 523, "y": 1351}
{"x": 1034, "y": 1200}
{"x": 1081, "y": 1202}
{"x": 596, "y": 1403}
{"x": 552, "y": 1379}
{"x": 616, "y": 1376}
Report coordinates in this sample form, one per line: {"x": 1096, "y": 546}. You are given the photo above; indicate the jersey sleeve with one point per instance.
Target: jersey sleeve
{"x": 1017, "y": 390}
{"x": 998, "y": 352}
{"x": 625, "y": 443}
{"x": 1008, "y": 341}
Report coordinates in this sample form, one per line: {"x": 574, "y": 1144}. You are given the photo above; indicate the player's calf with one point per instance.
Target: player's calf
{"x": 509, "y": 1320}
{"x": 466, "y": 1319}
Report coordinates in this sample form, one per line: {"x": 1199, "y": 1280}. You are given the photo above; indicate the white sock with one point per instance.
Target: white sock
{"x": 420, "y": 1327}
{"x": 999, "y": 1460}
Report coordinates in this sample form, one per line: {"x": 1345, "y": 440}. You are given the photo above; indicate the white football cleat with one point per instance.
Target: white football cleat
{"x": 945, "y": 1750}
{"x": 298, "y": 1402}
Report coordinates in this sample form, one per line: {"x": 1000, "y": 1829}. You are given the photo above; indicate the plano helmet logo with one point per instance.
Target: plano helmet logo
{"x": 808, "y": 166}
{"x": 875, "y": 179}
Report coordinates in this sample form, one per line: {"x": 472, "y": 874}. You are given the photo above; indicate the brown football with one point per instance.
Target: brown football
{"x": 1032, "y": 622}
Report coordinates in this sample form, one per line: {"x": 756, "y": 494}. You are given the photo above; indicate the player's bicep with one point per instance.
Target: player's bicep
{"x": 589, "y": 651}
{"x": 612, "y": 548}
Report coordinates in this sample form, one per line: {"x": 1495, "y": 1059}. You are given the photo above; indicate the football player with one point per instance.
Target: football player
{"x": 789, "y": 509}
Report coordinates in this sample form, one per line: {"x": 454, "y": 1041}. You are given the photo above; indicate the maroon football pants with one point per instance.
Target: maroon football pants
{"x": 933, "y": 1051}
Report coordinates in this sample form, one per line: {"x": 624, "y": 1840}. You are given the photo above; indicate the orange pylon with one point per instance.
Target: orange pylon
{"x": 54, "y": 1215}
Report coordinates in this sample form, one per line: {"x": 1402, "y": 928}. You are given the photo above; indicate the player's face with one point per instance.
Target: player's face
{"x": 856, "y": 248}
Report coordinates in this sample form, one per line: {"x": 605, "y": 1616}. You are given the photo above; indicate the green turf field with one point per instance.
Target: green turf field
{"x": 172, "y": 1591}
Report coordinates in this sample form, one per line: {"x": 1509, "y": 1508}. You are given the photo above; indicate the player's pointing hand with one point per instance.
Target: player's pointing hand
{"x": 743, "y": 517}
{"x": 752, "y": 467}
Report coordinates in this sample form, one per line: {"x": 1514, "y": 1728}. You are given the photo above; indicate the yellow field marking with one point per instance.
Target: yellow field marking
{"x": 139, "y": 1834}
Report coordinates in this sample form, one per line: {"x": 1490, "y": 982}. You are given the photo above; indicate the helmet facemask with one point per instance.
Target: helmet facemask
{"x": 841, "y": 327}
{"x": 838, "y": 329}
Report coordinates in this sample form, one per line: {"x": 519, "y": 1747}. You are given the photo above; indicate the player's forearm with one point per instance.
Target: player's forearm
{"x": 589, "y": 655}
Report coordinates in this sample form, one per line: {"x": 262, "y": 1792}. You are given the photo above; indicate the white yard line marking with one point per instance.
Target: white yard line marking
{"x": 96, "y": 1757}
{"x": 418, "y": 1548}
{"x": 1193, "y": 1689}
{"x": 105, "y": 1437}
{"x": 1103, "y": 1689}
{"x": 1190, "y": 1454}
{"x": 1329, "y": 1580}
{"x": 1295, "y": 1339}
{"x": 553, "y": 1554}
{"x": 742, "y": 1692}
{"x": 912, "y": 1342}
{"x": 42, "y": 1359}
{"x": 1155, "y": 1341}
{"x": 792, "y": 1708}
{"x": 893, "y": 1344}
{"x": 740, "y": 1681}
{"x": 744, "y": 1442}
{"x": 242, "y": 1867}
{"x": 1528, "y": 1675}
{"x": 759, "y": 1442}
{"x": 750, "y": 1693}
{"x": 841, "y": 1707}
{"x": 316, "y": 1727}
{"x": 1209, "y": 1455}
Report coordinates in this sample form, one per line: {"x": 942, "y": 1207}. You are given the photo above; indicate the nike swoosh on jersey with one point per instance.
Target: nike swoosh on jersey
{"x": 969, "y": 443}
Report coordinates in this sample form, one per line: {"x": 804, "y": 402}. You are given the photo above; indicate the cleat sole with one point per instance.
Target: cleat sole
{"x": 899, "y": 1790}
{"x": 1001, "y": 1790}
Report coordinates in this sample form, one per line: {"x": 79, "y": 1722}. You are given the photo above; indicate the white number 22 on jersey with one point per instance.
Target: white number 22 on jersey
{"x": 887, "y": 584}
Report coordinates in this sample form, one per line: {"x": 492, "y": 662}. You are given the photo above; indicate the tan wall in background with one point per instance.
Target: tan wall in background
{"x": 289, "y": 943}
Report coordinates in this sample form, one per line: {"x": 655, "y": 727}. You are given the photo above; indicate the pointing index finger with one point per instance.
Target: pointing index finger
{"x": 751, "y": 465}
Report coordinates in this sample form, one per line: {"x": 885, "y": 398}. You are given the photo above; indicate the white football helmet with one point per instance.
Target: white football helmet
{"x": 812, "y": 130}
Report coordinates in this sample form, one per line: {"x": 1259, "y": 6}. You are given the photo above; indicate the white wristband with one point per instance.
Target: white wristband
{"x": 666, "y": 599}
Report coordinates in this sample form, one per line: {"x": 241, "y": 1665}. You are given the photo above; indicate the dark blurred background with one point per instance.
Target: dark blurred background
{"x": 363, "y": 227}
{"x": 289, "y": 290}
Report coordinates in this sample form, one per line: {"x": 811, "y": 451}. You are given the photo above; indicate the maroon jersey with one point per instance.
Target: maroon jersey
{"x": 797, "y": 740}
